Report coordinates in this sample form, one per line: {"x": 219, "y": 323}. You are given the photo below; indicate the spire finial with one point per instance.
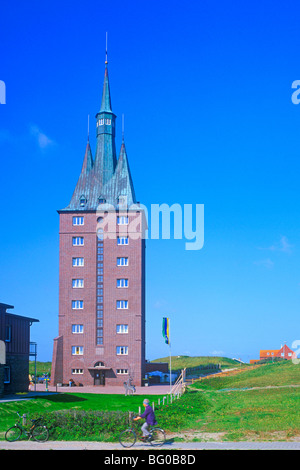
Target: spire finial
{"x": 106, "y": 51}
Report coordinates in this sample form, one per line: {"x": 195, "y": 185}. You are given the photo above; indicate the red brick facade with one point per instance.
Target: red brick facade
{"x": 109, "y": 363}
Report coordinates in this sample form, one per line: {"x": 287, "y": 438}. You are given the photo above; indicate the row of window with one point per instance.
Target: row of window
{"x": 79, "y": 283}
{"x": 78, "y": 304}
{"x": 120, "y": 350}
{"x": 122, "y": 261}
{"x": 120, "y": 329}
{"x": 101, "y": 122}
{"x": 80, "y": 371}
{"x": 79, "y": 241}
{"x": 121, "y": 220}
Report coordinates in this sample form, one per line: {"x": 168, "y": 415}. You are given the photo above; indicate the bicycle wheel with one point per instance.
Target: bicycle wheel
{"x": 127, "y": 438}
{"x": 40, "y": 433}
{"x": 13, "y": 434}
{"x": 158, "y": 437}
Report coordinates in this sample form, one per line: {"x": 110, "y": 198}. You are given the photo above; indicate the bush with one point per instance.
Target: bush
{"x": 82, "y": 424}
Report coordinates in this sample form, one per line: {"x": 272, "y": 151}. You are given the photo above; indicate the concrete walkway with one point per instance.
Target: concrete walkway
{"x": 41, "y": 391}
{"x": 168, "y": 447}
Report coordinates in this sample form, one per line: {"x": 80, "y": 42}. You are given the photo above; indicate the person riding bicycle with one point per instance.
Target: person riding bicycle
{"x": 149, "y": 416}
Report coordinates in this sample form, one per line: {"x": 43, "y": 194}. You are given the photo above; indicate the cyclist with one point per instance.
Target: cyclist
{"x": 149, "y": 416}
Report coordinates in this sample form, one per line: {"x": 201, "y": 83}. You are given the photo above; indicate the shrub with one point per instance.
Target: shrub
{"x": 82, "y": 424}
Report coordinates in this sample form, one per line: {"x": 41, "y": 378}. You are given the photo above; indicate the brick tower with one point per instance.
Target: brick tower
{"x": 101, "y": 337}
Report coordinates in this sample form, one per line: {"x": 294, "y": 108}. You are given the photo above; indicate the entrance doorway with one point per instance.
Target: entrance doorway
{"x": 99, "y": 377}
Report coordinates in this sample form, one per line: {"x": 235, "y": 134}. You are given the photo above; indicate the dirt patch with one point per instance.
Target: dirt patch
{"x": 250, "y": 436}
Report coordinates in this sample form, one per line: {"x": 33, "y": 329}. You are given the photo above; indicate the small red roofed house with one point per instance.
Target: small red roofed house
{"x": 284, "y": 353}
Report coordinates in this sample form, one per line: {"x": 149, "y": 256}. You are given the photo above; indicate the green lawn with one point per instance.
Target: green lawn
{"x": 69, "y": 401}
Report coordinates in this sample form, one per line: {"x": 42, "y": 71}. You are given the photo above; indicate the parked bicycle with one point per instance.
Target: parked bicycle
{"x": 38, "y": 431}
{"x": 156, "y": 438}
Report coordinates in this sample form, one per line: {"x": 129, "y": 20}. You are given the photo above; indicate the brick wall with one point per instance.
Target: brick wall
{"x": 134, "y": 316}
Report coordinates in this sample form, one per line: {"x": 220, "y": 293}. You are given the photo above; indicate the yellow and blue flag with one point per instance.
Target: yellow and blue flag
{"x": 166, "y": 330}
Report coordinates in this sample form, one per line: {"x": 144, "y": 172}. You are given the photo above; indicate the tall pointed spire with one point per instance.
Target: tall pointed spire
{"x": 106, "y": 100}
{"x": 123, "y": 179}
{"x": 104, "y": 177}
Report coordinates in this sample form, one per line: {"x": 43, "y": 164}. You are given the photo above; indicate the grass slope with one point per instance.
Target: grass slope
{"x": 181, "y": 362}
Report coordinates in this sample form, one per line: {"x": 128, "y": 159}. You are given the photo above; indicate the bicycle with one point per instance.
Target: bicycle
{"x": 38, "y": 431}
{"x": 156, "y": 438}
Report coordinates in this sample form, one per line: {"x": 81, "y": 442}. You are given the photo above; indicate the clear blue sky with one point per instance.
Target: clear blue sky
{"x": 206, "y": 92}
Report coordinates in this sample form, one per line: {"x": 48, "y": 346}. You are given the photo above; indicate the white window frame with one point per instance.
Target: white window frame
{"x": 122, "y": 283}
{"x": 77, "y": 262}
{"x": 77, "y": 283}
{"x": 122, "y": 350}
{"x": 122, "y": 220}
{"x": 122, "y": 261}
{"x": 122, "y": 304}
{"x": 77, "y": 304}
{"x": 78, "y": 241}
{"x": 77, "y": 329}
{"x": 78, "y": 220}
{"x": 122, "y": 371}
{"x": 122, "y": 329}
{"x": 77, "y": 371}
{"x": 77, "y": 350}
{"x": 123, "y": 240}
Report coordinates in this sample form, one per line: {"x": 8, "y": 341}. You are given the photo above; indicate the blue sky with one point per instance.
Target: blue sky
{"x": 205, "y": 88}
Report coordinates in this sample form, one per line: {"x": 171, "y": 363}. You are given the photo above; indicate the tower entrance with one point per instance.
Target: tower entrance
{"x": 99, "y": 377}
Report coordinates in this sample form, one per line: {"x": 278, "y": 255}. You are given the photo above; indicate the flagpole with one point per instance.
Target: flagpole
{"x": 170, "y": 370}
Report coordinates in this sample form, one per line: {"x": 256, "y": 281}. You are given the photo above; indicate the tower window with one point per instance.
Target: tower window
{"x": 122, "y": 240}
{"x": 122, "y": 261}
{"x": 101, "y": 200}
{"x": 108, "y": 122}
{"x": 78, "y": 262}
{"x": 122, "y": 304}
{"x": 83, "y": 201}
{"x": 78, "y": 220}
{"x": 122, "y": 220}
{"x": 78, "y": 241}
{"x": 122, "y": 329}
{"x": 122, "y": 350}
{"x": 77, "y": 304}
{"x": 122, "y": 282}
{"x": 77, "y": 350}
{"x": 77, "y": 329}
{"x": 77, "y": 283}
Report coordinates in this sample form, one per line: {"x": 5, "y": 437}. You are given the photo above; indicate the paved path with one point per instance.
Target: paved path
{"x": 168, "y": 447}
{"x": 41, "y": 391}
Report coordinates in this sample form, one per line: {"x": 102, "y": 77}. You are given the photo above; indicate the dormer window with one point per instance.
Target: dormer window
{"x": 101, "y": 200}
{"x": 122, "y": 200}
{"x": 83, "y": 201}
